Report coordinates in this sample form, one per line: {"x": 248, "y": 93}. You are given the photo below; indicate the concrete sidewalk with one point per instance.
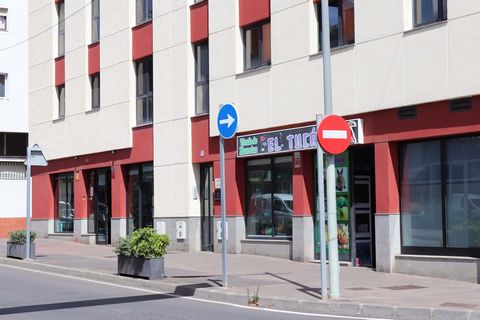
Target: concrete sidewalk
{"x": 282, "y": 284}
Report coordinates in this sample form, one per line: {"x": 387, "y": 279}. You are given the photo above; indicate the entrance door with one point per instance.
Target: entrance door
{"x": 206, "y": 198}
{"x": 362, "y": 211}
{"x": 100, "y": 199}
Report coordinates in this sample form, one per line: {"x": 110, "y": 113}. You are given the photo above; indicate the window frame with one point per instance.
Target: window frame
{"x": 4, "y": 15}
{"x": 202, "y": 83}
{"x": 444, "y": 249}
{"x": 341, "y": 35}
{"x": 272, "y": 183}
{"x": 250, "y": 27}
{"x": 93, "y": 77}
{"x": 441, "y": 16}
{"x": 145, "y": 6}
{"x": 95, "y": 18}
{"x": 5, "y": 77}
{"x": 61, "y": 28}
{"x": 68, "y": 176}
{"x": 148, "y": 97}
{"x": 61, "y": 106}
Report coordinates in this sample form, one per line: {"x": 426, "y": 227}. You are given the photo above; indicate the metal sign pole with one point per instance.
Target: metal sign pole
{"x": 321, "y": 216}
{"x": 27, "y": 253}
{"x": 224, "y": 212}
{"x": 331, "y": 201}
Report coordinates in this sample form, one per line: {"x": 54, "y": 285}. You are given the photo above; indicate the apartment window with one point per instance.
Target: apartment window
{"x": 13, "y": 144}
{"x": 201, "y": 78}
{"x": 144, "y": 70}
{"x": 440, "y": 197}
{"x": 3, "y": 19}
{"x": 257, "y": 45}
{"x": 64, "y": 211}
{"x": 269, "y": 197}
{"x": 3, "y": 83}
{"x": 342, "y": 22}
{"x": 61, "y": 101}
{"x": 61, "y": 28}
{"x": 140, "y": 196}
{"x": 144, "y": 11}
{"x": 95, "y": 86}
{"x": 95, "y": 20}
{"x": 429, "y": 11}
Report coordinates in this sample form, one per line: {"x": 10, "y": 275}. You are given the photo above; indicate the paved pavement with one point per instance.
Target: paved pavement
{"x": 282, "y": 284}
{"x": 33, "y": 295}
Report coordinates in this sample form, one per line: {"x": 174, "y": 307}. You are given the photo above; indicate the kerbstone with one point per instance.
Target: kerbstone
{"x": 407, "y": 313}
{"x": 441, "y": 314}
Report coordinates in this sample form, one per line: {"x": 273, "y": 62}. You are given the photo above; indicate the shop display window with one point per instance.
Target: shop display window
{"x": 64, "y": 210}
{"x": 140, "y": 197}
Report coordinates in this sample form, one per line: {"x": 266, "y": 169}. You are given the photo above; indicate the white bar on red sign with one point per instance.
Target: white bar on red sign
{"x": 334, "y": 134}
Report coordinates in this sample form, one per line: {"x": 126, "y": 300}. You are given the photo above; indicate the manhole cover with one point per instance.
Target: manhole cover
{"x": 406, "y": 287}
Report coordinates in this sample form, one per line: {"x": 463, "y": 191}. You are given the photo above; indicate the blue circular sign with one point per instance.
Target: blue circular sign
{"x": 227, "y": 121}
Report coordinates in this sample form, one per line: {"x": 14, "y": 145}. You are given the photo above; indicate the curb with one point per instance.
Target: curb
{"x": 338, "y": 308}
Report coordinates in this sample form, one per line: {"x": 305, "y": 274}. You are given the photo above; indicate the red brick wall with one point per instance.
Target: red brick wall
{"x": 10, "y": 224}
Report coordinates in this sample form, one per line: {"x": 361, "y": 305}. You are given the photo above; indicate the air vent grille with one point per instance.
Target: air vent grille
{"x": 461, "y": 105}
{"x": 407, "y": 113}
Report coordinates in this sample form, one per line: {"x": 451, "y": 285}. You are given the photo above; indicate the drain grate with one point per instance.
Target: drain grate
{"x": 359, "y": 289}
{"x": 459, "y": 305}
{"x": 406, "y": 287}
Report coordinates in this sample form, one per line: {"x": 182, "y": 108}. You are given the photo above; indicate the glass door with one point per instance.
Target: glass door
{"x": 206, "y": 198}
{"x": 99, "y": 205}
{"x": 362, "y": 212}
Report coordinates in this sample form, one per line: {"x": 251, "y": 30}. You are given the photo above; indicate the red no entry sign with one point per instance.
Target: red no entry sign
{"x": 334, "y": 134}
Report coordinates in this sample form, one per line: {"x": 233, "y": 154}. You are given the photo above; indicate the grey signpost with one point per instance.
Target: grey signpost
{"x": 331, "y": 201}
{"x": 227, "y": 124}
{"x": 35, "y": 157}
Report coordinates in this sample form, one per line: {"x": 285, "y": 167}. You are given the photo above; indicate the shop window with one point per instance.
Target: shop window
{"x": 140, "y": 197}
{"x": 64, "y": 211}
{"x": 257, "y": 45}
{"x": 95, "y": 20}
{"x": 342, "y": 22}
{"x": 144, "y": 11}
{"x": 61, "y": 101}
{"x": 440, "y": 197}
{"x": 269, "y": 198}
{"x": 95, "y": 87}
{"x": 61, "y": 28}
{"x": 144, "y": 71}
{"x": 201, "y": 78}
{"x": 429, "y": 11}
{"x": 3, "y": 83}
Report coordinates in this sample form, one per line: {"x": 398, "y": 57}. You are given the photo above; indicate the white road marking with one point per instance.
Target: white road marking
{"x": 334, "y": 134}
{"x": 318, "y": 315}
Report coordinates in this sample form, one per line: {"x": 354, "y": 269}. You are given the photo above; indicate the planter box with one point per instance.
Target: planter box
{"x": 20, "y": 250}
{"x": 140, "y": 267}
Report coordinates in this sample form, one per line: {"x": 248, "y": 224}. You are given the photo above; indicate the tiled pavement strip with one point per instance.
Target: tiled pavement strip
{"x": 282, "y": 284}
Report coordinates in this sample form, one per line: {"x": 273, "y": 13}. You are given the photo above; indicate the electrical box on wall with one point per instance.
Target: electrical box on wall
{"x": 181, "y": 229}
{"x": 219, "y": 230}
{"x": 217, "y": 195}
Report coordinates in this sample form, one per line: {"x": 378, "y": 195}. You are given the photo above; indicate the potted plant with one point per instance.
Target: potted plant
{"x": 16, "y": 246}
{"x": 141, "y": 254}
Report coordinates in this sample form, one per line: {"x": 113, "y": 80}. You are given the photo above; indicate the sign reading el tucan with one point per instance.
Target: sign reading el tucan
{"x": 289, "y": 140}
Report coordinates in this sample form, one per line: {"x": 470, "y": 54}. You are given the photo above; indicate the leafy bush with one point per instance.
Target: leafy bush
{"x": 20, "y": 236}
{"x": 143, "y": 243}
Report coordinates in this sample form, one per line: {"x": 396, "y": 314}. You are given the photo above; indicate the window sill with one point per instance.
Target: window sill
{"x": 94, "y": 43}
{"x": 142, "y": 23}
{"x": 267, "y": 240}
{"x": 93, "y": 110}
{"x": 425, "y": 27}
{"x": 58, "y": 120}
{"x": 198, "y": 115}
{"x": 143, "y": 125}
{"x": 248, "y": 72}
{"x": 334, "y": 50}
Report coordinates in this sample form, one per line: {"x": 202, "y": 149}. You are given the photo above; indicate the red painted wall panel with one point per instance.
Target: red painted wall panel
{"x": 94, "y": 58}
{"x": 43, "y": 191}
{"x": 199, "y": 21}
{"x": 303, "y": 185}
{"x": 252, "y": 11}
{"x": 142, "y": 40}
{"x": 60, "y": 71}
{"x": 386, "y": 178}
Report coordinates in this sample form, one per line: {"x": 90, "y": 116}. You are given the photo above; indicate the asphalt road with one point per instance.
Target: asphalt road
{"x": 26, "y": 294}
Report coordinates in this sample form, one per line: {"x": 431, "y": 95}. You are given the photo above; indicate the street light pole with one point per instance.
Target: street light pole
{"x": 331, "y": 201}
{"x": 29, "y": 167}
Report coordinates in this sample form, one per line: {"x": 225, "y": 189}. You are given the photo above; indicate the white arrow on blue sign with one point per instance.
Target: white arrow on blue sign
{"x": 227, "y": 121}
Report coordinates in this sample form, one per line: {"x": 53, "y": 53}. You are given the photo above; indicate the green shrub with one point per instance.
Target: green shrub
{"x": 20, "y": 236}
{"x": 143, "y": 243}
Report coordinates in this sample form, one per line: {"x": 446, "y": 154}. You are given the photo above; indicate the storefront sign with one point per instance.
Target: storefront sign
{"x": 289, "y": 140}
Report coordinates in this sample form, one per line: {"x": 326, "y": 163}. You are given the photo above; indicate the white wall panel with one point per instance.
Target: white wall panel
{"x": 222, "y": 54}
{"x": 222, "y": 14}
{"x": 375, "y": 19}
{"x": 13, "y": 189}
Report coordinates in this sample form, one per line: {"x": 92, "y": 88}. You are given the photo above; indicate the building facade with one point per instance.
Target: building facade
{"x": 124, "y": 101}
{"x": 13, "y": 114}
